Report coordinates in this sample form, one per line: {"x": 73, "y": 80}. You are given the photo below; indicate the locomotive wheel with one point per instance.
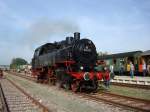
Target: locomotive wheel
{"x": 75, "y": 86}
{"x": 38, "y": 79}
{"x": 53, "y": 82}
{"x": 66, "y": 86}
{"x": 58, "y": 84}
{"x": 95, "y": 86}
{"x": 67, "y": 81}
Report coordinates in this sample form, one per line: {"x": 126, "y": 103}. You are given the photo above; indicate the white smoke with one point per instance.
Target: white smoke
{"x": 44, "y": 29}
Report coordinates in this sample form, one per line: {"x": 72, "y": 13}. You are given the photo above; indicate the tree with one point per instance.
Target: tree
{"x": 16, "y": 62}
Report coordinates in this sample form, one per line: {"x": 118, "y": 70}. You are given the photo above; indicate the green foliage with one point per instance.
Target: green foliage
{"x": 16, "y": 62}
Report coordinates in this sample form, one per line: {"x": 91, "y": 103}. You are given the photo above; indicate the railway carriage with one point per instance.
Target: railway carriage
{"x": 121, "y": 60}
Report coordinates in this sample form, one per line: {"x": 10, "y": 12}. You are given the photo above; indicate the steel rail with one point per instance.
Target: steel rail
{"x": 5, "y": 107}
{"x": 44, "y": 108}
{"x": 112, "y": 99}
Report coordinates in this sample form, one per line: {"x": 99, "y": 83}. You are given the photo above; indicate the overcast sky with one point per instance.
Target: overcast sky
{"x": 113, "y": 25}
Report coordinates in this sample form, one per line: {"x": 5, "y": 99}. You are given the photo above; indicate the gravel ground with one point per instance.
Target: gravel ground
{"x": 61, "y": 101}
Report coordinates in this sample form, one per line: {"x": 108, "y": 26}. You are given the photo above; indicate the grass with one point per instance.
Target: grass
{"x": 126, "y": 91}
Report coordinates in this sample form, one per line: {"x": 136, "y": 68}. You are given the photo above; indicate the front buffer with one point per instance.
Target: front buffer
{"x": 85, "y": 80}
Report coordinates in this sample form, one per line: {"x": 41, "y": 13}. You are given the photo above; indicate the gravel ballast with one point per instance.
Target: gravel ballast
{"x": 61, "y": 101}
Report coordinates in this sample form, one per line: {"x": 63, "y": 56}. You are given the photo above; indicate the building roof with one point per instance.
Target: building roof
{"x": 146, "y": 53}
{"x": 120, "y": 55}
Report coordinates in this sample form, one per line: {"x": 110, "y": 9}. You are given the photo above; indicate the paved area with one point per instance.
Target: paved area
{"x": 134, "y": 80}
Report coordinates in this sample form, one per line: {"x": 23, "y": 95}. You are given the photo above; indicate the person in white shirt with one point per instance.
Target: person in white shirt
{"x": 148, "y": 67}
{"x": 131, "y": 69}
{"x": 144, "y": 68}
{"x": 111, "y": 68}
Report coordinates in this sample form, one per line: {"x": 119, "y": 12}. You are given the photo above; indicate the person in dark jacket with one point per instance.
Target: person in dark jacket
{"x": 1, "y": 73}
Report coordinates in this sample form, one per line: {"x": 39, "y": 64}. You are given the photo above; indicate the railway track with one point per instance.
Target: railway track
{"x": 4, "y": 105}
{"x": 15, "y": 99}
{"x": 119, "y": 100}
{"x": 23, "y": 76}
{"x": 115, "y": 99}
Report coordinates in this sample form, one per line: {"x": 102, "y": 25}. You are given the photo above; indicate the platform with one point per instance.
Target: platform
{"x": 134, "y": 80}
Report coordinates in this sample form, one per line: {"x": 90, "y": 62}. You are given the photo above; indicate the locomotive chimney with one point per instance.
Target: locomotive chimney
{"x": 77, "y": 36}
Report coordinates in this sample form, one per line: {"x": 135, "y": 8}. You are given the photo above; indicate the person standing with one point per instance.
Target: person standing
{"x": 144, "y": 68}
{"x": 140, "y": 69}
{"x": 112, "y": 75}
{"x": 106, "y": 78}
{"x": 1, "y": 73}
{"x": 128, "y": 68}
{"x": 25, "y": 70}
{"x": 121, "y": 71}
{"x": 148, "y": 67}
{"x": 131, "y": 69}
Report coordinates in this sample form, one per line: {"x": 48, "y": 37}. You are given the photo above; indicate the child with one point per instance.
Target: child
{"x": 106, "y": 78}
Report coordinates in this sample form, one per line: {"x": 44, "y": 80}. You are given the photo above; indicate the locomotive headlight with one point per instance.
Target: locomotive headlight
{"x": 87, "y": 49}
{"x": 81, "y": 67}
{"x": 86, "y": 76}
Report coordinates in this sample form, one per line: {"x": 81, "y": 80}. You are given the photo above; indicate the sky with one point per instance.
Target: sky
{"x": 113, "y": 25}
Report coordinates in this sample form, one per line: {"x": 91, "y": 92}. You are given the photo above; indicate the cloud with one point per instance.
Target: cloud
{"x": 37, "y": 33}
{"x": 9, "y": 18}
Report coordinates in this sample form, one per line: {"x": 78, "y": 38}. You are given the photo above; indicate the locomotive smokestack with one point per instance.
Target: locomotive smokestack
{"x": 77, "y": 36}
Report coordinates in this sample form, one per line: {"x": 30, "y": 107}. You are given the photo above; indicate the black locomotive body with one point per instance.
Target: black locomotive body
{"x": 81, "y": 51}
{"x": 70, "y": 63}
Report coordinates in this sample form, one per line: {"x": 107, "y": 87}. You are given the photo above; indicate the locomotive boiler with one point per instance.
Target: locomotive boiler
{"x": 69, "y": 63}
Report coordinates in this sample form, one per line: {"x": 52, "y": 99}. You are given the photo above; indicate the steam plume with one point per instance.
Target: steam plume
{"x": 45, "y": 29}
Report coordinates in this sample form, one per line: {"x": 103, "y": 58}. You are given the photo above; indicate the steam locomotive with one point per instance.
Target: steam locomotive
{"x": 69, "y": 63}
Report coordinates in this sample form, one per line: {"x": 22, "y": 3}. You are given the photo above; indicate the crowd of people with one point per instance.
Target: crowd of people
{"x": 142, "y": 69}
